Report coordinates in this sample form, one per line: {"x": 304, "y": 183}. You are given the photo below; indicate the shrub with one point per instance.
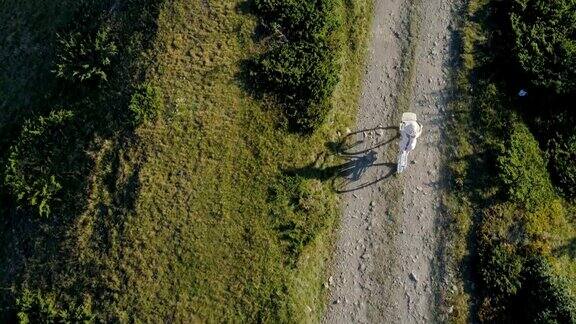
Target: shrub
{"x": 303, "y": 77}
{"x": 34, "y": 307}
{"x": 523, "y": 169}
{"x": 499, "y": 239}
{"x": 547, "y": 226}
{"x": 145, "y": 104}
{"x": 545, "y": 297}
{"x": 493, "y": 114}
{"x": 501, "y": 269}
{"x": 300, "y": 209}
{"x": 545, "y": 41}
{"x": 299, "y": 20}
{"x": 85, "y": 56}
{"x": 562, "y": 159}
{"x": 29, "y": 174}
{"x": 514, "y": 274}
{"x": 300, "y": 69}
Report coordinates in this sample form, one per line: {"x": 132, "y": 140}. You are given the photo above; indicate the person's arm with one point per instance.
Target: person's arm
{"x": 419, "y": 130}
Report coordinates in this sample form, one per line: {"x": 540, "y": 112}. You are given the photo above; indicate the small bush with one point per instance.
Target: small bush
{"x": 85, "y": 56}
{"x": 493, "y": 114}
{"x": 146, "y": 103}
{"x": 29, "y": 174}
{"x": 300, "y": 69}
{"x": 523, "y": 169}
{"x": 501, "y": 269}
{"x": 545, "y": 41}
{"x": 300, "y": 210}
{"x": 34, "y": 307}
{"x": 303, "y": 77}
{"x": 299, "y": 20}
{"x": 545, "y": 297}
{"x": 500, "y": 263}
{"x": 562, "y": 157}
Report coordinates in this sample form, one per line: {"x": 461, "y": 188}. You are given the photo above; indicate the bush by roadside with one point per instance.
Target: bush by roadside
{"x": 300, "y": 68}
{"x": 303, "y": 76}
{"x": 543, "y": 40}
{"x": 522, "y": 169}
{"x": 85, "y": 58}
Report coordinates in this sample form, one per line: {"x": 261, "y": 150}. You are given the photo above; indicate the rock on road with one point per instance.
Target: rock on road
{"x": 386, "y": 268}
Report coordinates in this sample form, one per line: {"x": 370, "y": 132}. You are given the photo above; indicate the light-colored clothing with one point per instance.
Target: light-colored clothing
{"x": 409, "y": 133}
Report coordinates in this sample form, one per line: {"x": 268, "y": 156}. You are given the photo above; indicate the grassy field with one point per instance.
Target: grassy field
{"x": 196, "y": 215}
{"x": 485, "y": 121}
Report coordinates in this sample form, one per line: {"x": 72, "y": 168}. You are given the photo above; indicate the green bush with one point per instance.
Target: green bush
{"x": 545, "y": 297}
{"x": 303, "y": 76}
{"x": 299, "y": 20}
{"x": 499, "y": 237}
{"x": 523, "y": 169}
{"x": 145, "y": 104}
{"x": 562, "y": 157}
{"x": 501, "y": 270}
{"x": 300, "y": 69}
{"x": 545, "y": 41}
{"x": 515, "y": 275}
{"x": 493, "y": 113}
{"x": 29, "y": 173}
{"x": 301, "y": 208}
{"x": 33, "y": 307}
{"x": 85, "y": 56}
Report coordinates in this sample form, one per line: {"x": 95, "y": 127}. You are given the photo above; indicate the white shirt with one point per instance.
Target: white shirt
{"x": 410, "y": 131}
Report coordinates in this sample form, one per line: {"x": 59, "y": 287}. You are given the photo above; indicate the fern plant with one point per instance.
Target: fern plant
{"x": 28, "y": 173}
{"x": 84, "y": 57}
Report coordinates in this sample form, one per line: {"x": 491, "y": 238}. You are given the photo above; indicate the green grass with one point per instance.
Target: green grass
{"x": 202, "y": 237}
{"x": 178, "y": 220}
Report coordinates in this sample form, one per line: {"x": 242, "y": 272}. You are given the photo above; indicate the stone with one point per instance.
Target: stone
{"x": 454, "y": 289}
{"x": 413, "y": 277}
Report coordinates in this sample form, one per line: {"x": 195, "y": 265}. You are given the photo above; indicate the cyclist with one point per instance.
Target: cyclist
{"x": 410, "y": 130}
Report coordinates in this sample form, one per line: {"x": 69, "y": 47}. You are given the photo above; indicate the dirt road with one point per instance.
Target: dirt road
{"x": 386, "y": 268}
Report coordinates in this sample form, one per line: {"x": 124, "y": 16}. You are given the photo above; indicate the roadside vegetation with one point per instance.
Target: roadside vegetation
{"x": 513, "y": 203}
{"x": 146, "y": 150}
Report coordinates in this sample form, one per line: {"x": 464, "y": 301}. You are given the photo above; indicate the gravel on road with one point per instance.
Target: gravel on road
{"x": 386, "y": 267}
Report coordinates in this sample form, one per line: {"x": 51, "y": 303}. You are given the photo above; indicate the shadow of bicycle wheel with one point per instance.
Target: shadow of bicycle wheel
{"x": 345, "y": 184}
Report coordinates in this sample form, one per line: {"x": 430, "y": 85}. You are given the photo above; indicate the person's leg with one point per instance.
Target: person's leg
{"x": 406, "y": 153}
{"x": 402, "y": 159}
